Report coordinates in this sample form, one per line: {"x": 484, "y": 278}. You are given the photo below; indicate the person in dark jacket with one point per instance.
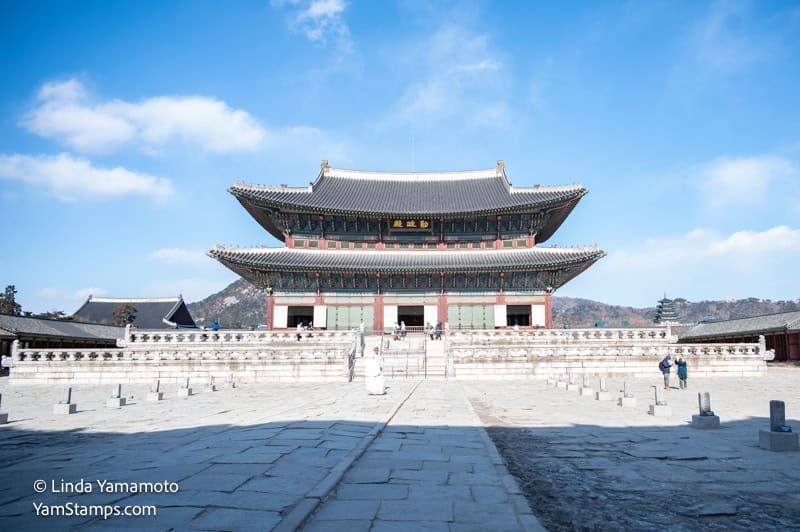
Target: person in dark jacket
{"x": 664, "y": 366}
{"x": 683, "y": 373}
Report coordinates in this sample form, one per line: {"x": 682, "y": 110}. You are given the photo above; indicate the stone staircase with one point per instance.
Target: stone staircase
{"x": 406, "y": 358}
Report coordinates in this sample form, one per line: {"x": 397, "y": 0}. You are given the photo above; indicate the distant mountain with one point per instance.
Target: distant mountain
{"x": 241, "y": 305}
{"x": 576, "y": 312}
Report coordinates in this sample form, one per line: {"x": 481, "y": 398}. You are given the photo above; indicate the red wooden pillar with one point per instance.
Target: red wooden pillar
{"x": 441, "y": 309}
{"x": 378, "y": 319}
{"x": 270, "y": 310}
{"x": 548, "y": 311}
{"x": 441, "y": 304}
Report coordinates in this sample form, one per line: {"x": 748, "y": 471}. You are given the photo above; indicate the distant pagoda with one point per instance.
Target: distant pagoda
{"x": 665, "y": 312}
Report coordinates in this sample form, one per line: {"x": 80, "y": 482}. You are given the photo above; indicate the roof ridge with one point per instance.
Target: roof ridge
{"x": 449, "y": 175}
{"x": 94, "y": 299}
{"x": 753, "y": 317}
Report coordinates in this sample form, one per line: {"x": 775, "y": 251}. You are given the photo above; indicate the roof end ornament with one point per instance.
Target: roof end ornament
{"x": 501, "y": 167}
{"x": 324, "y": 165}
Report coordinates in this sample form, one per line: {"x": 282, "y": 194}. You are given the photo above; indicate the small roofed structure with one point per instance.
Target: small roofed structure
{"x": 781, "y": 332}
{"x": 151, "y": 313}
{"x": 665, "y": 312}
{"x": 47, "y": 333}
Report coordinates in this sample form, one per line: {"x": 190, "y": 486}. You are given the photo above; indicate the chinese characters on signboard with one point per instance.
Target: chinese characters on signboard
{"x": 410, "y": 224}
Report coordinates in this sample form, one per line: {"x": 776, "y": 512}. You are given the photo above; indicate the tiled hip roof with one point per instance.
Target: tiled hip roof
{"x": 288, "y": 259}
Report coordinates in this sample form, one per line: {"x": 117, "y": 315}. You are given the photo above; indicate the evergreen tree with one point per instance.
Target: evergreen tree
{"x": 8, "y": 303}
{"x": 124, "y": 314}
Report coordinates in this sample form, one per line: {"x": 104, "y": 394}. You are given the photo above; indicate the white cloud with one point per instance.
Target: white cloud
{"x": 700, "y": 264}
{"x": 320, "y": 21}
{"x": 70, "y": 178}
{"x": 181, "y": 257}
{"x": 743, "y": 181}
{"x": 66, "y": 113}
{"x": 458, "y": 77}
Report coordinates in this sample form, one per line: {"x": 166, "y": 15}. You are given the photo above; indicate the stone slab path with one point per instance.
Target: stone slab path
{"x": 588, "y": 464}
{"x": 432, "y": 468}
{"x": 330, "y": 457}
{"x": 261, "y": 457}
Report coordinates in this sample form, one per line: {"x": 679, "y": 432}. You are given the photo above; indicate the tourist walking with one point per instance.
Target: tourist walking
{"x": 438, "y": 330}
{"x": 402, "y": 329}
{"x": 683, "y": 373}
{"x": 429, "y": 330}
{"x": 664, "y": 366}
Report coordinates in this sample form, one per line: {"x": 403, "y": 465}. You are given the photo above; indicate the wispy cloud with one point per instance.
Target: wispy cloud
{"x": 723, "y": 40}
{"x": 744, "y": 181}
{"x": 701, "y": 262}
{"x": 321, "y": 21}
{"x": 181, "y": 257}
{"x": 459, "y": 76}
{"x": 66, "y": 112}
{"x": 71, "y": 178}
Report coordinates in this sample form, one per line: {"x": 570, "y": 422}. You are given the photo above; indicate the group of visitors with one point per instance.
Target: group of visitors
{"x": 399, "y": 331}
{"x": 683, "y": 372}
{"x": 435, "y": 333}
{"x": 301, "y": 327}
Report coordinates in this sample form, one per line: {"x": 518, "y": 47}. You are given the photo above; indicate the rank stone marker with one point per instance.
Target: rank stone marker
{"x": 627, "y": 400}
{"x": 3, "y": 415}
{"x": 67, "y": 406}
{"x": 586, "y": 389}
{"x": 603, "y": 394}
{"x": 211, "y": 386}
{"x": 706, "y": 418}
{"x": 780, "y": 436}
{"x": 229, "y": 383}
{"x": 573, "y": 385}
{"x": 184, "y": 390}
{"x": 659, "y": 407}
{"x": 116, "y": 400}
{"x": 155, "y": 394}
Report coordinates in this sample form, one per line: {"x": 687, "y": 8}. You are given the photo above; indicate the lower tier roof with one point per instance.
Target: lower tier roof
{"x": 411, "y": 261}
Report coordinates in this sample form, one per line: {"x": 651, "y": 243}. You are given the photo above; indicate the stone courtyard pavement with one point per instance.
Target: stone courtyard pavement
{"x": 330, "y": 457}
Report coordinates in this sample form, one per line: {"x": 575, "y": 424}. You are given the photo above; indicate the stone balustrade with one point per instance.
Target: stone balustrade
{"x": 329, "y": 356}
{"x": 172, "y": 356}
{"x": 647, "y": 335}
{"x": 461, "y": 351}
{"x": 137, "y": 337}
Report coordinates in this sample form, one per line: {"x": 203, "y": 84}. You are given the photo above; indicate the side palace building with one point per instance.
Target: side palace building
{"x": 379, "y": 248}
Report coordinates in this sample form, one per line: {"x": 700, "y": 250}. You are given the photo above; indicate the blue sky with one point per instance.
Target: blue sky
{"x": 122, "y": 125}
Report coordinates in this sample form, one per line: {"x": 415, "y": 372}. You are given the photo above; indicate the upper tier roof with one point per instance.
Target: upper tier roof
{"x": 292, "y": 259}
{"x": 407, "y": 193}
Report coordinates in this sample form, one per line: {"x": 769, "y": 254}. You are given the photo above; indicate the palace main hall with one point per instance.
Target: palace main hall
{"x": 379, "y": 248}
